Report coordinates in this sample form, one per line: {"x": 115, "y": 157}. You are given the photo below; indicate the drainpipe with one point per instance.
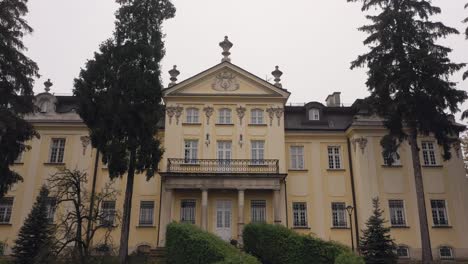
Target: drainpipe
{"x": 353, "y": 191}
{"x": 286, "y": 203}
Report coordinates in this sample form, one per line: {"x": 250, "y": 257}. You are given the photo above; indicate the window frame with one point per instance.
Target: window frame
{"x": 450, "y": 250}
{"x": 192, "y": 115}
{"x": 59, "y": 150}
{"x": 396, "y": 217}
{"x": 314, "y": 114}
{"x": 257, "y": 116}
{"x": 301, "y": 214}
{"x": 334, "y": 158}
{"x": 191, "y": 213}
{"x": 6, "y": 203}
{"x": 257, "y": 152}
{"x": 108, "y": 213}
{"x": 143, "y": 216}
{"x": 225, "y": 116}
{"x": 437, "y": 211}
{"x": 429, "y": 153}
{"x": 296, "y": 158}
{"x": 338, "y": 224}
{"x": 51, "y": 207}
{"x": 396, "y": 160}
{"x": 257, "y": 204}
{"x": 191, "y": 152}
{"x": 399, "y": 247}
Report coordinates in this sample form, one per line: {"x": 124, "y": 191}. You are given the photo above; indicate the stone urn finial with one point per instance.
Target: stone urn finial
{"x": 174, "y": 73}
{"x": 226, "y": 45}
{"x": 277, "y": 74}
{"x": 47, "y": 85}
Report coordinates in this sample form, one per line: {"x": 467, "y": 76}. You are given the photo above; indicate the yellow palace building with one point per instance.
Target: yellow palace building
{"x": 236, "y": 153}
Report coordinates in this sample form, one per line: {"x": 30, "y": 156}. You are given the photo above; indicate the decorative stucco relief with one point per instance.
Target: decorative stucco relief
{"x": 85, "y": 140}
{"x": 279, "y": 112}
{"x": 208, "y": 112}
{"x": 241, "y": 113}
{"x": 271, "y": 114}
{"x": 174, "y": 111}
{"x": 362, "y": 143}
{"x": 225, "y": 81}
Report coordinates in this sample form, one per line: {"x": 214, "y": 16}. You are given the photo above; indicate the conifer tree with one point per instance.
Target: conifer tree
{"x": 34, "y": 244}
{"x": 376, "y": 245}
{"x": 408, "y": 80}
{"x": 16, "y": 89}
{"x": 120, "y": 96}
{"x": 465, "y": 75}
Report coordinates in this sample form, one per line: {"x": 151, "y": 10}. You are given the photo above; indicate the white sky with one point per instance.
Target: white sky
{"x": 313, "y": 42}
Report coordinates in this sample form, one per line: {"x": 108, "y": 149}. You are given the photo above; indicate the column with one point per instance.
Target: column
{"x": 167, "y": 215}
{"x": 204, "y": 216}
{"x": 277, "y": 206}
{"x": 240, "y": 215}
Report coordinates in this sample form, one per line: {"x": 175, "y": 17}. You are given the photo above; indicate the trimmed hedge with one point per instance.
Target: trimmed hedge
{"x": 187, "y": 244}
{"x": 349, "y": 258}
{"x": 276, "y": 244}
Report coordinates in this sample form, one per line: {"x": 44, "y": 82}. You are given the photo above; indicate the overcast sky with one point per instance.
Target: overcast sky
{"x": 313, "y": 42}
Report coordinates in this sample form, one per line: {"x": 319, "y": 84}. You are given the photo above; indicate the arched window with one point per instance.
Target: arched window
{"x": 224, "y": 116}
{"x": 192, "y": 116}
{"x": 256, "y": 116}
{"x": 314, "y": 114}
{"x": 446, "y": 252}
{"x": 402, "y": 251}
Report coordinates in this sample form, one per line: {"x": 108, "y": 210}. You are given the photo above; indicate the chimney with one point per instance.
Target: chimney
{"x": 333, "y": 100}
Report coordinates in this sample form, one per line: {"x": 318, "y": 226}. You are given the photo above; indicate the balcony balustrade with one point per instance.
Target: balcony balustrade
{"x": 223, "y": 166}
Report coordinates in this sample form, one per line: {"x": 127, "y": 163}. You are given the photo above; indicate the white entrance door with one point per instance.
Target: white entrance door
{"x": 223, "y": 219}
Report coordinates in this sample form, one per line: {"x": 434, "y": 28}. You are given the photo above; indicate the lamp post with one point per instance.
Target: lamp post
{"x": 350, "y": 209}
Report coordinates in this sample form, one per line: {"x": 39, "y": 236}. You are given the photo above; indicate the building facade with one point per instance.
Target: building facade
{"x": 236, "y": 153}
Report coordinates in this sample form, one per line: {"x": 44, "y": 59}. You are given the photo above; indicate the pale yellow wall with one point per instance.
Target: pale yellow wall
{"x": 446, "y": 182}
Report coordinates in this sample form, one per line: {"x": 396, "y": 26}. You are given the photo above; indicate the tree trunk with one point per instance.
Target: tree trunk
{"x": 125, "y": 230}
{"x": 423, "y": 223}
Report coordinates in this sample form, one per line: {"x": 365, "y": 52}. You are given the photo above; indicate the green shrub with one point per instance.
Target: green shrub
{"x": 187, "y": 244}
{"x": 275, "y": 244}
{"x": 349, "y": 258}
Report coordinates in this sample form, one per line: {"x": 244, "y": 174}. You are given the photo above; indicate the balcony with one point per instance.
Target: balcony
{"x": 222, "y": 166}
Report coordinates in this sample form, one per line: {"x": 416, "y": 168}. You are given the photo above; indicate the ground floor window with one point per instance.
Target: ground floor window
{"x": 108, "y": 213}
{"x": 446, "y": 252}
{"x": 258, "y": 211}
{"x": 187, "y": 211}
{"x": 402, "y": 252}
{"x": 300, "y": 214}
{"x": 339, "y": 214}
{"x": 146, "y": 213}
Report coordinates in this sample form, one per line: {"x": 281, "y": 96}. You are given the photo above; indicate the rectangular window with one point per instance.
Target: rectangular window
{"x": 6, "y": 206}
{"x": 314, "y": 114}
{"x": 191, "y": 151}
{"x": 334, "y": 157}
{"x": 57, "y": 150}
{"x": 396, "y": 160}
{"x": 339, "y": 214}
{"x": 300, "y": 214}
{"x": 258, "y": 151}
{"x": 224, "y": 116}
{"x": 146, "y": 213}
{"x": 446, "y": 252}
{"x": 187, "y": 211}
{"x": 428, "y": 151}
{"x": 50, "y": 209}
{"x": 258, "y": 211}
{"x": 256, "y": 117}
{"x": 107, "y": 213}
{"x": 192, "y": 116}
{"x": 439, "y": 212}
{"x": 397, "y": 212}
{"x": 402, "y": 252}
{"x": 297, "y": 157}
